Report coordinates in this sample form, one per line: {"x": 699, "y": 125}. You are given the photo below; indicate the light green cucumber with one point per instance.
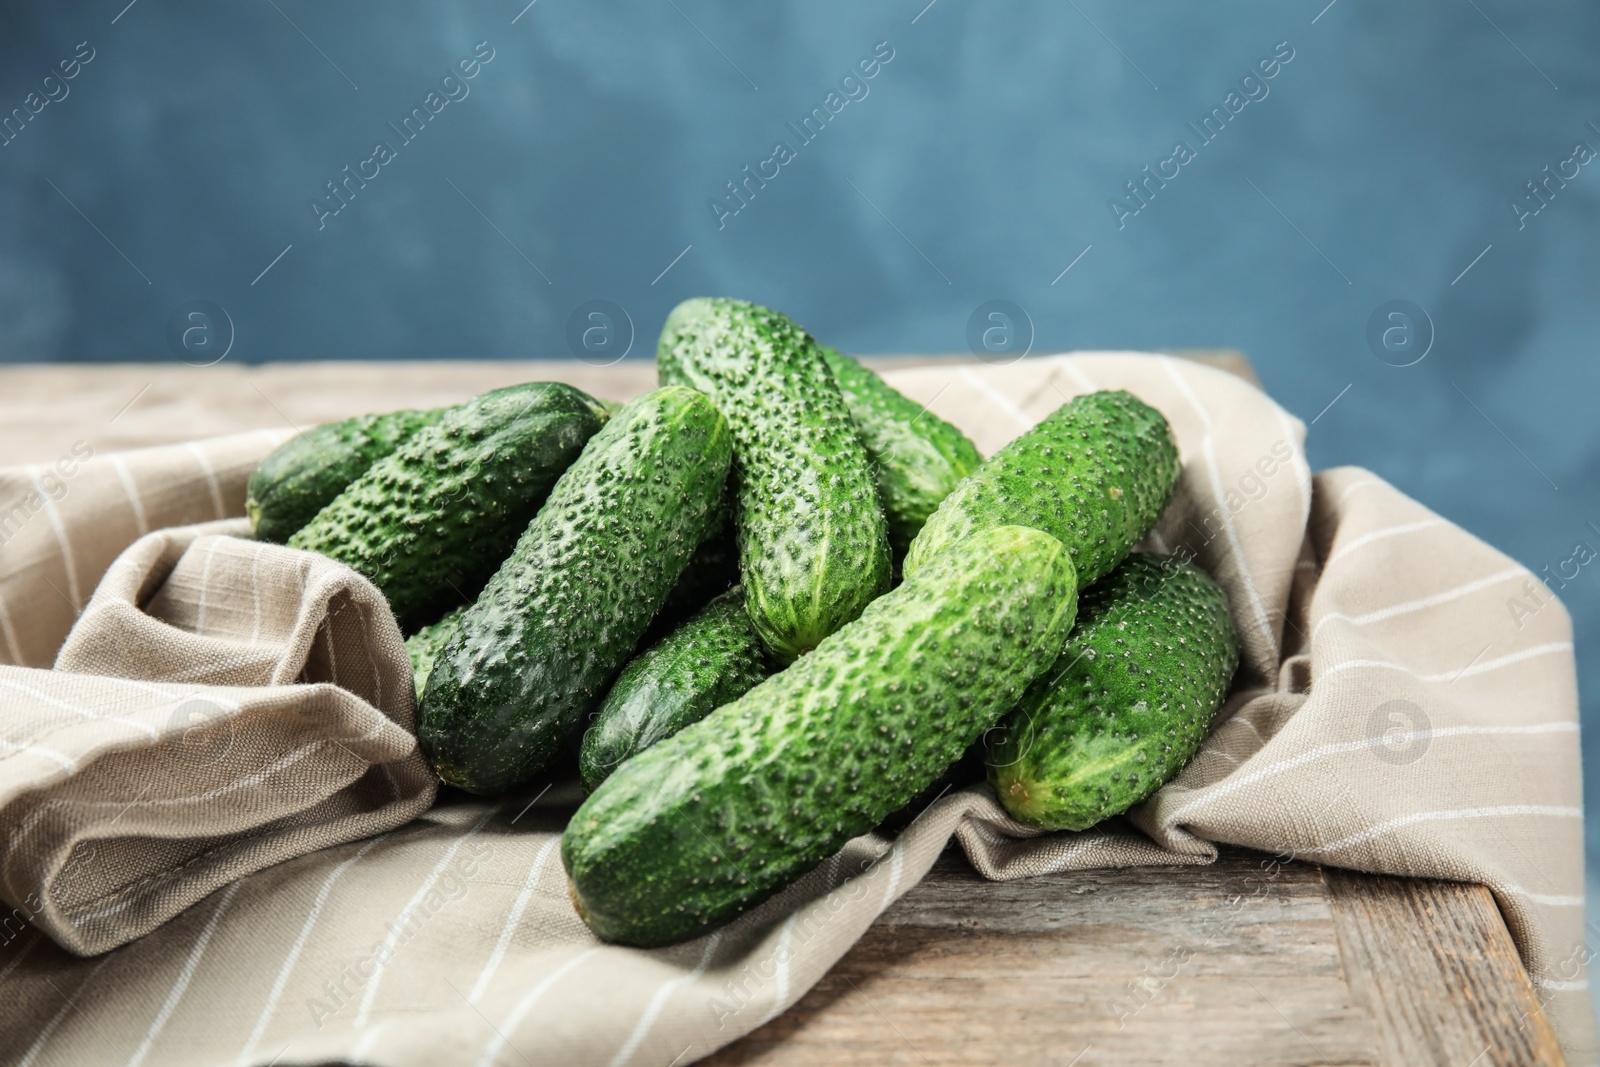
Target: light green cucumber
{"x": 1127, "y": 705}
{"x": 1095, "y": 474}
{"x": 706, "y": 824}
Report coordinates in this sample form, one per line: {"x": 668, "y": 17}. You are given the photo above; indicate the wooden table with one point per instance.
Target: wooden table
{"x": 1249, "y": 961}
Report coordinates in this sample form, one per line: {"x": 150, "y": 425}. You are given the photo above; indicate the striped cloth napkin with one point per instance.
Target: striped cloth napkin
{"x": 208, "y": 763}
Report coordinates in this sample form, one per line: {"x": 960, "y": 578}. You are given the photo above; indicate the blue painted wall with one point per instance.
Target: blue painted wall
{"x": 1378, "y": 163}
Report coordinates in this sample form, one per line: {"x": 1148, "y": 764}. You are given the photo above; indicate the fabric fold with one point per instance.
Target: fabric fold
{"x": 220, "y": 706}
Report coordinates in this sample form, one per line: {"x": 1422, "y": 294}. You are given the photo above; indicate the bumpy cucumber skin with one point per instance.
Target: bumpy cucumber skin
{"x": 1127, "y": 705}
{"x": 430, "y": 522}
{"x": 711, "y": 571}
{"x": 425, "y": 645}
{"x": 813, "y": 542}
{"x": 916, "y": 456}
{"x": 708, "y": 823}
{"x": 302, "y": 476}
{"x": 557, "y": 622}
{"x": 713, "y": 659}
{"x": 1096, "y": 474}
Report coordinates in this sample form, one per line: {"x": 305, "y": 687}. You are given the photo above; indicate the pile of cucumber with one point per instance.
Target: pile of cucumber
{"x": 766, "y": 605}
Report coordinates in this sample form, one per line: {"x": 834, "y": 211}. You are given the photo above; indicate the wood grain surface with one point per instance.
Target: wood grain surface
{"x": 1249, "y": 961}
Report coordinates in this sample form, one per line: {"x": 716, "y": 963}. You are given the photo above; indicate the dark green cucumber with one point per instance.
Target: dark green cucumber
{"x": 1128, "y": 703}
{"x": 425, "y": 645}
{"x": 1096, "y": 474}
{"x": 711, "y": 571}
{"x": 706, "y": 824}
{"x": 916, "y": 456}
{"x": 559, "y": 619}
{"x": 711, "y": 660}
{"x": 813, "y": 543}
{"x": 302, "y": 476}
{"x": 430, "y": 522}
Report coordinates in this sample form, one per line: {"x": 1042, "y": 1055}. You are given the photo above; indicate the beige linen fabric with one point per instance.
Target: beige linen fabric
{"x": 1393, "y": 713}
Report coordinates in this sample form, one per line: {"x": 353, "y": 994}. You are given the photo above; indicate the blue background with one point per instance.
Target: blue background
{"x": 1382, "y": 162}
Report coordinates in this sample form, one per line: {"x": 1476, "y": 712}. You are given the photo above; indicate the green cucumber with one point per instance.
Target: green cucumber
{"x": 813, "y": 543}
{"x": 708, "y": 823}
{"x": 425, "y": 645}
{"x": 916, "y": 456}
{"x": 302, "y": 476}
{"x": 1129, "y": 703}
{"x": 711, "y": 660}
{"x": 711, "y": 571}
{"x": 429, "y": 523}
{"x": 548, "y": 635}
{"x": 1096, "y": 474}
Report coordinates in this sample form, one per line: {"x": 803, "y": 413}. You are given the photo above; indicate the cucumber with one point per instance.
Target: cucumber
{"x": 1129, "y": 703}
{"x": 424, "y": 646}
{"x": 916, "y": 456}
{"x": 430, "y": 522}
{"x": 813, "y": 543}
{"x": 1096, "y": 474}
{"x": 706, "y": 824}
{"x": 302, "y": 476}
{"x": 711, "y": 660}
{"x": 563, "y": 614}
{"x": 711, "y": 571}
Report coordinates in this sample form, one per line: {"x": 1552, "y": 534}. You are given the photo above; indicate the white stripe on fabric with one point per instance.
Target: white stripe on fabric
{"x": 780, "y": 977}
{"x": 996, "y": 397}
{"x": 13, "y": 749}
{"x": 299, "y": 945}
{"x": 255, "y": 594}
{"x": 63, "y": 542}
{"x": 1072, "y": 368}
{"x": 380, "y": 965}
{"x": 1548, "y": 899}
{"x": 363, "y": 1048}
{"x": 136, "y": 505}
{"x": 1235, "y": 549}
{"x": 491, "y": 1051}
{"x": 1339, "y": 504}
{"x": 184, "y": 977}
{"x": 897, "y": 864}
{"x": 204, "y": 461}
{"x": 1557, "y": 986}
{"x": 205, "y": 586}
{"x": 659, "y": 1001}
{"x": 1234, "y": 783}
{"x": 1170, "y": 365}
{"x": 1447, "y": 676}
{"x": 84, "y": 713}
{"x": 1502, "y": 811}
{"x": 1421, "y": 603}
{"x": 529, "y": 884}
{"x": 1379, "y": 535}
{"x": 1248, "y": 725}
{"x": 1302, "y": 469}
